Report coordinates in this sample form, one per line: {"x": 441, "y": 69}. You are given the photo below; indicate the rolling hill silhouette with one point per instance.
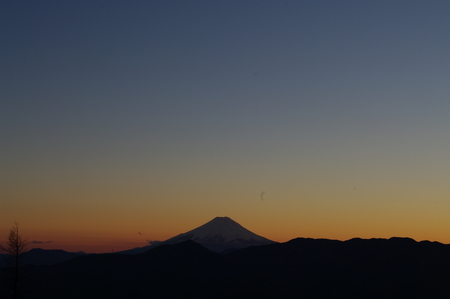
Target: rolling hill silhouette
{"x": 300, "y": 268}
{"x": 38, "y": 257}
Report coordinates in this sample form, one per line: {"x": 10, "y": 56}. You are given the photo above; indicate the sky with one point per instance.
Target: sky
{"x": 123, "y": 122}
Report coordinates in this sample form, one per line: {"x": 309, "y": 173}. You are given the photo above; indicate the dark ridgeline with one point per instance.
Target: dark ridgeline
{"x": 300, "y": 268}
{"x": 39, "y": 257}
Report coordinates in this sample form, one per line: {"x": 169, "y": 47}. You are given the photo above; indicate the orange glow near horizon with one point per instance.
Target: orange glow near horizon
{"x": 98, "y": 225}
{"x": 104, "y": 239}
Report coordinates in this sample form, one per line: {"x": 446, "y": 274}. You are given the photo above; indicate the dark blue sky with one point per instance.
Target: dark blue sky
{"x": 196, "y": 107}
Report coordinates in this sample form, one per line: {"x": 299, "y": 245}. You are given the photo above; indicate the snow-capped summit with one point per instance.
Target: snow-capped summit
{"x": 220, "y": 234}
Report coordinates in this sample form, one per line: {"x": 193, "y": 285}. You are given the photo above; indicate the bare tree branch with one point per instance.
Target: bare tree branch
{"x": 15, "y": 246}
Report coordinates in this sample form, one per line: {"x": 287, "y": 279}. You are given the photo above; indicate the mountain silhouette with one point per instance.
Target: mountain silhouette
{"x": 220, "y": 234}
{"x": 38, "y": 257}
{"x": 300, "y": 268}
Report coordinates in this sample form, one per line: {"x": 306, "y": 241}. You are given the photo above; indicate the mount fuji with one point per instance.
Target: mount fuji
{"x": 219, "y": 234}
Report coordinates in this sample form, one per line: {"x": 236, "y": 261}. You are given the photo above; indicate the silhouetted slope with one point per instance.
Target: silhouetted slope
{"x": 308, "y": 268}
{"x": 300, "y": 268}
{"x": 167, "y": 270}
{"x": 38, "y": 257}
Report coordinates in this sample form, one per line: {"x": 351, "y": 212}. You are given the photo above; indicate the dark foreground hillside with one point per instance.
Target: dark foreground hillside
{"x": 300, "y": 268}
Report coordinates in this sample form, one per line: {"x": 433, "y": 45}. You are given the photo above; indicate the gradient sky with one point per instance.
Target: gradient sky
{"x": 127, "y": 121}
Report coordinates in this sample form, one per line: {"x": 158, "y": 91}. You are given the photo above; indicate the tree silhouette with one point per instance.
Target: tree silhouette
{"x": 14, "y": 248}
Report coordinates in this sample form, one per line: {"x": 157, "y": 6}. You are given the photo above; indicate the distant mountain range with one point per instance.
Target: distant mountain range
{"x": 219, "y": 234}
{"x": 300, "y": 268}
{"x": 38, "y": 257}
